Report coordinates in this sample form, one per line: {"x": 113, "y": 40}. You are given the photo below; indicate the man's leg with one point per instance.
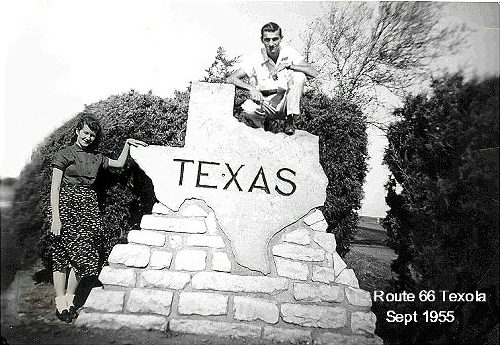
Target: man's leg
{"x": 295, "y": 89}
{"x": 252, "y": 115}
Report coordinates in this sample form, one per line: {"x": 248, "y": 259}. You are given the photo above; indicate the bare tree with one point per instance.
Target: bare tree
{"x": 361, "y": 46}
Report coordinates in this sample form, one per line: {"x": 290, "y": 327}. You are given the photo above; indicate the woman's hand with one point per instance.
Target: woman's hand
{"x": 135, "y": 142}
{"x": 55, "y": 227}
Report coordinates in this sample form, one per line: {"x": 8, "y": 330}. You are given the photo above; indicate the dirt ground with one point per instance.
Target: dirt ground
{"x": 28, "y": 309}
{"x": 28, "y": 318}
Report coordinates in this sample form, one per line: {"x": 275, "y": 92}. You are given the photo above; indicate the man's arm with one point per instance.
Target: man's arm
{"x": 303, "y": 67}
{"x": 235, "y": 79}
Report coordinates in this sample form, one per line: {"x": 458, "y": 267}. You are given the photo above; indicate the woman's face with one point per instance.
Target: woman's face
{"x": 85, "y": 137}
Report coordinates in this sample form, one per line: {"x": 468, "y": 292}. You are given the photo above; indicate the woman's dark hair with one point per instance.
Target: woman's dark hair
{"x": 93, "y": 123}
{"x": 270, "y": 27}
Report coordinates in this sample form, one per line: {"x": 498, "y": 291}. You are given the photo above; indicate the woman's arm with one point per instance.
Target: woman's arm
{"x": 55, "y": 187}
{"x": 120, "y": 162}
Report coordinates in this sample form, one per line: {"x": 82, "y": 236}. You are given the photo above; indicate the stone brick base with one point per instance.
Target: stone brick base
{"x": 178, "y": 273}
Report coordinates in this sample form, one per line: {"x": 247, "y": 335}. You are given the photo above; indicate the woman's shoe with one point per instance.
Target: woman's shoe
{"x": 71, "y": 307}
{"x": 62, "y": 305}
{"x": 73, "y": 313}
{"x": 64, "y": 315}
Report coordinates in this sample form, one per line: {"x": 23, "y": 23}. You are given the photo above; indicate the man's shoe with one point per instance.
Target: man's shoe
{"x": 289, "y": 125}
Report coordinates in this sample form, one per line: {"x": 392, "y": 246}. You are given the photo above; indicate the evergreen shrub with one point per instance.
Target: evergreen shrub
{"x": 127, "y": 194}
{"x": 124, "y": 194}
{"x": 443, "y": 224}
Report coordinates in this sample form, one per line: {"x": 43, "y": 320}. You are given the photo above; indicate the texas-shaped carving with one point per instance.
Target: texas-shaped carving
{"x": 256, "y": 182}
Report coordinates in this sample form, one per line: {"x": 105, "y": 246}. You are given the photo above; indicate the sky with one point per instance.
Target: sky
{"x": 57, "y": 56}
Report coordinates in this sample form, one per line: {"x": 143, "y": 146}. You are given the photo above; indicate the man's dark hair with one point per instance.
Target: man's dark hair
{"x": 270, "y": 27}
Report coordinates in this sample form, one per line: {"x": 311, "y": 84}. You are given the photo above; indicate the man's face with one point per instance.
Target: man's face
{"x": 271, "y": 41}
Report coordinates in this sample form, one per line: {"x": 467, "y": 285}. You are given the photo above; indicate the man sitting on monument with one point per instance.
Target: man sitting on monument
{"x": 280, "y": 74}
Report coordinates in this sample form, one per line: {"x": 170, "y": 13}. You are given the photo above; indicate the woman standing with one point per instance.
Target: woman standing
{"x": 76, "y": 221}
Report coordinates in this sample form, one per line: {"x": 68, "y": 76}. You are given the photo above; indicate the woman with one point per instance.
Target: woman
{"x": 76, "y": 221}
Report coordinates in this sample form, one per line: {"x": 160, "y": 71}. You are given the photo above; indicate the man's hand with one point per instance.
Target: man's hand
{"x": 283, "y": 65}
{"x": 280, "y": 67}
{"x": 256, "y": 95}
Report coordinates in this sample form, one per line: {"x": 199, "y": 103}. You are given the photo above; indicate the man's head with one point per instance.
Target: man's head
{"x": 271, "y": 38}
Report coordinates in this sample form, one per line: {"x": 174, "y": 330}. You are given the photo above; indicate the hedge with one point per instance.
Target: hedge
{"x": 127, "y": 194}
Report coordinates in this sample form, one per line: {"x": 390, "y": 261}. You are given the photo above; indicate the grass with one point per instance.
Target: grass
{"x": 371, "y": 265}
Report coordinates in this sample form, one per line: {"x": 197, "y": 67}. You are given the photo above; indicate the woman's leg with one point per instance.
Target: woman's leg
{"x": 61, "y": 302}
{"x": 73, "y": 282}
{"x": 59, "y": 282}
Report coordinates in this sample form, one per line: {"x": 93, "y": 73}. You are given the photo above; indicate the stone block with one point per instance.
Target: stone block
{"x": 347, "y": 277}
{"x": 287, "y": 335}
{"x": 182, "y": 225}
{"x": 163, "y": 279}
{"x": 193, "y": 211}
{"x": 250, "y": 309}
{"x": 363, "y": 323}
{"x": 132, "y": 255}
{"x": 235, "y": 283}
{"x": 211, "y": 224}
{"x": 105, "y": 300}
{"x": 221, "y": 262}
{"x": 291, "y": 269}
{"x": 320, "y": 226}
{"x": 299, "y": 236}
{"x": 358, "y": 297}
{"x": 149, "y": 301}
{"x": 190, "y": 260}
{"x": 160, "y": 259}
{"x": 159, "y": 208}
{"x": 205, "y": 241}
{"x": 117, "y": 276}
{"x": 215, "y": 328}
{"x": 202, "y": 303}
{"x": 148, "y": 237}
{"x": 117, "y": 321}
{"x": 323, "y": 274}
{"x": 328, "y": 338}
{"x": 329, "y": 260}
{"x": 318, "y": 292}
{"x": 314, "y": 217}
{"x": 176, "y": 241}
{"x": 338, "y": 264}
{"x": 326, "y": 241}
{"x": 297, "y": 252}
{"x": 314, "y": 316}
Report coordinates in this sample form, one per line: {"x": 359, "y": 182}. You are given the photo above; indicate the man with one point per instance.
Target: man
{"x": 280, "y": 74}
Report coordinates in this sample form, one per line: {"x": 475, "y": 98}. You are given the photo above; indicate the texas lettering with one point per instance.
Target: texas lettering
{"x": 224, "y": 176}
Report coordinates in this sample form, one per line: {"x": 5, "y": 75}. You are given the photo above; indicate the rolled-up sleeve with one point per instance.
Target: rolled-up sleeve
{"x": 61, "y": 160}
{"x": 247, "y": 66}
{"x": 295, "y": 56}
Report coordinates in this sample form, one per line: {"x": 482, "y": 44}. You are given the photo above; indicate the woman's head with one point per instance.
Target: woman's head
{"x": 88, "y": 132}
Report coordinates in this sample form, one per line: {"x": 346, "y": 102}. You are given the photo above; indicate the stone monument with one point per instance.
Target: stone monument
{"x": 236, "y": 245}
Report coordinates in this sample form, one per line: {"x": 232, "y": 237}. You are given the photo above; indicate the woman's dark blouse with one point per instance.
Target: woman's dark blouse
{"x": 79, "y": 167}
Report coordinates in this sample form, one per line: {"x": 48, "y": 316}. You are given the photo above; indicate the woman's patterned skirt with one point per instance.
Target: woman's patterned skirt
{"x": 79, "y": 244}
